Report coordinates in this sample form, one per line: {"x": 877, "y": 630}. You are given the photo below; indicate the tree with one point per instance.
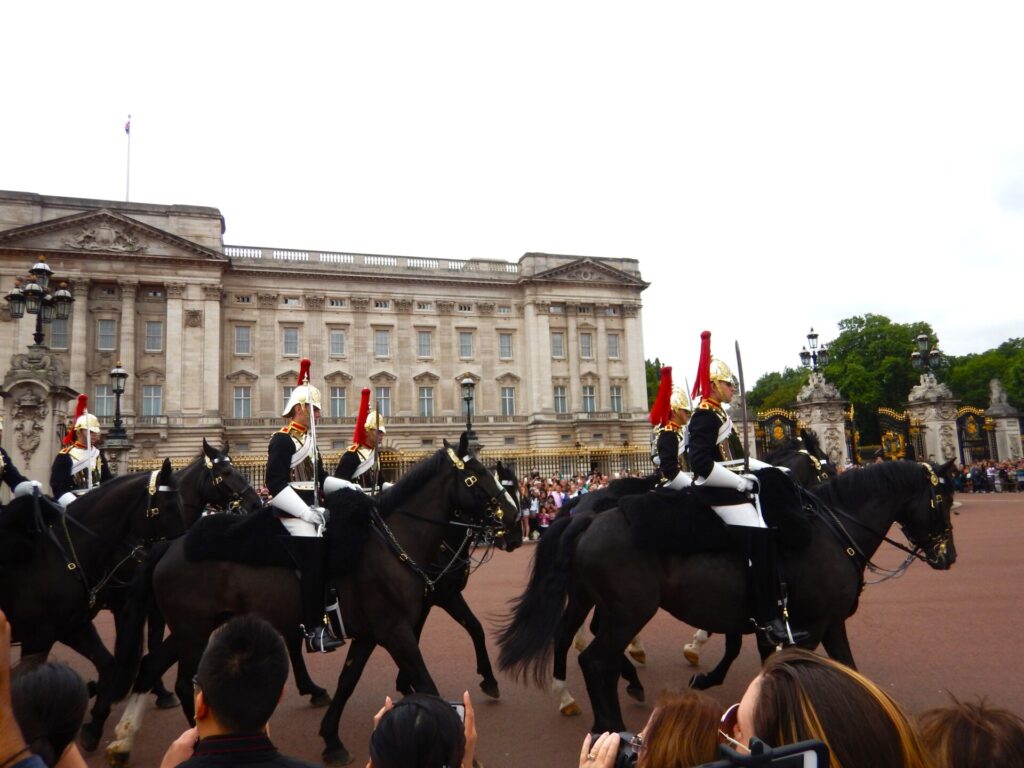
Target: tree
{"x": 653, "y": 370}
{"x": 777, "y": 390}
{"x": 969, "y": 375}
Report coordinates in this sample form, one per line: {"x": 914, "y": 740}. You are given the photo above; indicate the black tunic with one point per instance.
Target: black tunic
{"x": 279, "y": 465}
{"x": 668, "y": 451}
{"x": 703, "y": 450}
{"x": 61, "y": 479}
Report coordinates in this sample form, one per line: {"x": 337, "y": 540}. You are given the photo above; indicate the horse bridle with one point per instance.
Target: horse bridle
{"x": 232, "y": 499}
{"x": 494, "y": 517}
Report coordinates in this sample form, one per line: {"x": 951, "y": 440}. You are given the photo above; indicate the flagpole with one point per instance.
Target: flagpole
{"x": 128, "y": 161}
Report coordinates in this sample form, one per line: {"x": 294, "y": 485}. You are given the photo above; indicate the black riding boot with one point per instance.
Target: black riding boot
{"x": 319, "y": 637}
{"x": 759, "y": 547}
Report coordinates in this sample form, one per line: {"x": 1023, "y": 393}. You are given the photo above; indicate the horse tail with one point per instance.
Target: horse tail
{"x": 526, "y": 635}
{"x": 130, "y": 623}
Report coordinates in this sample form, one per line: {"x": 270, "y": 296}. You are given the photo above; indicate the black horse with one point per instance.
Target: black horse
{"x": 382, "y": 600}
{"x": 448, "y": 592}
{"x": 804, "y": 457}
{"x": 592, "y": 561}
{"x": 76, "y": 563}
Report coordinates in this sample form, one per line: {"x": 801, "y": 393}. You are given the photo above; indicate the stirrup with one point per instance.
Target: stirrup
{"x": 321, "y": 640}
{"x": 779, "y": 633}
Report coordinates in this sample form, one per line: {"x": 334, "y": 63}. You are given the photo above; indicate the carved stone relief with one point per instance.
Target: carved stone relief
{"x": 266, "y": 300}
{"x": 193, "y": 318}
{"x": 403, "y": 305}
{"x": 176, "y": 290}
{"x": 315, "y": 302}
{"x": 630, "y": 310}
{"x": 105, "y": 237}
{"x": 445, "y": 307}
{"x": 213, "y": 292}
{"x": 28, "y": 414}
{"x": 818, "y": 389}
{"x": 360, "y": 303}
{"x": 929, "y": 389}
{"x": 485, "y": 307}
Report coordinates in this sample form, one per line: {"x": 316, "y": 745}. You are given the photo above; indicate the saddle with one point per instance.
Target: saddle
{"x": 683, "y": 522}
{"x": 21, "y": 528}
{"x": 261, "y": 540}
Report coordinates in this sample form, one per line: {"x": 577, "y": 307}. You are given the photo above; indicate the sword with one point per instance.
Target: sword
{"x": 743, "y": 395}
{"x": 88, "y": 449}
{"x": 312, "y": 436}
{"x": 376, "y": 450}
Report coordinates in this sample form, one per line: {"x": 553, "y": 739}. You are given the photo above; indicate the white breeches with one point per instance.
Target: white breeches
{"x": 298, "y": 527}
{"x": 746, "y": 515}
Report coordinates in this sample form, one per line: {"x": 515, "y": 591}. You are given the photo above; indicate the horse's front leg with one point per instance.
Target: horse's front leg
{"x": 86, "y": 641}
{"x": 154, "y": 639}
{"x": 402, "y": 683}
{"x": 358, "y": 654}
{"x": 837, "y": 644}
{"x": 704, "y": 680}
{"x": 459, "y": 609}
{"x": 570, "y": 621}
{"x": 317, "y": 696}
{"x": 405, "y": 651}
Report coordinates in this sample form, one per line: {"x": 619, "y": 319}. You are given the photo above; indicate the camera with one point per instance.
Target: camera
{"x": 804, "y": 754}
{"x": 460, "y": 709}
{"x": 627, "y": 755}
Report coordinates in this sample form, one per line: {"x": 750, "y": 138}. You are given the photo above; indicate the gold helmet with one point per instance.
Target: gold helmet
{"x": 680, "y": 400}
{"x": 375, "y": 421}
{"x": 305, "y": 392}
{"x": 719, "y": 371}
{"x": 89, "y": 422}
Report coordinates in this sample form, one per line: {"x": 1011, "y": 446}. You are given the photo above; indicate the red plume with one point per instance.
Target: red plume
{"x": 304, "y": 371}
{"x": 80, "y": 408}
{"x": 702, "y": 386}
{"x": 359, "y": 436}
{"x": 662, "y": 408}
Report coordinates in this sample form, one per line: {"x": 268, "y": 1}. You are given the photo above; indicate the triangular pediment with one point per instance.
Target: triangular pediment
{"x": 105, "y": 233}
{"x": 587, "y": 270}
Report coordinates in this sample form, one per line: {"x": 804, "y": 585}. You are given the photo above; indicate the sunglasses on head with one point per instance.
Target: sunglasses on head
{"x": 728, "y": 728}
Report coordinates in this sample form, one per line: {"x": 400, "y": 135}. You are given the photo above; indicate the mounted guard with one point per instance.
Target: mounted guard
{"x": 295, "y": 471}
{"x": 719, "y": 469}
{"x": 81, "y": 464}
{"x": 669, "y": 416}
{"x": 359, "y": 466}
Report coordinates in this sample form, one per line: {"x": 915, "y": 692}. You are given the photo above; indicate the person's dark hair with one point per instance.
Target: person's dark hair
{"x": 242, "y": 673}
{"x": 973, "y": 733}
{"x": 805, "y": 696}
{"x": 420, "y": 731}
{"x": 49, "y": 702}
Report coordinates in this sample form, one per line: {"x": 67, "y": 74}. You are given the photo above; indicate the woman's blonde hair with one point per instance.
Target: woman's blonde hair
{"x": 806, "y": 696}
{"x": 682, "y": 731}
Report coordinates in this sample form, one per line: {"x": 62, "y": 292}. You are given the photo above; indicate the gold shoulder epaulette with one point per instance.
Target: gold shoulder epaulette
{"x": 66, "y": 449}
{"x": 353, "y": 448}
{"x": 672, "y": 427}
{"x": 706, "y": 406}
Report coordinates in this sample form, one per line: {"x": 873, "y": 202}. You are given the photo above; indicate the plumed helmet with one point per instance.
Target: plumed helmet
{"x": 304, "y": 392}
{"x": 680, "y": 400}
{"x": 87, "y": 421}
{"x": 719, "y": 371}
{"x": 375, "y": 421}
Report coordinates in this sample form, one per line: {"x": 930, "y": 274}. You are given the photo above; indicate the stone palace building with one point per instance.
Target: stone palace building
{"x": 211, "y": 336}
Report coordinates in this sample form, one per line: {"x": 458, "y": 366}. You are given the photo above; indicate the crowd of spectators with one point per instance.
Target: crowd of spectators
{"x": 542, "y": 497}
{"x": 991, "y": 477}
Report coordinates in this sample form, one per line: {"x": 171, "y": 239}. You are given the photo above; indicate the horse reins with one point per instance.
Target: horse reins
{"x": 74, "y": 563}
{"x": 385, "y": 532}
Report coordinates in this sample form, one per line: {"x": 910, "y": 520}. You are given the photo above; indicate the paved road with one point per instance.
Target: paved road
{"x": 917, "y": 636}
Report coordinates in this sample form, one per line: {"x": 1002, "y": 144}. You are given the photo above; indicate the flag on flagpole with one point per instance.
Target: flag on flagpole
{"x": 128, "y": 125}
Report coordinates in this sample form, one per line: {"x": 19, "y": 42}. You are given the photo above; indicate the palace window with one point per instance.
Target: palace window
{"x": 286, "y": 394}
{"x": 465, "y": 343}
{"x": 243, "y": 339}
{"x": 154, "y": 336}
{"x": 103, "y": 401}
{"x": 557, "y": 344}
{"x": 242, "y": 402}
{"x": 339, "y": 402}
{"x": 589, "y": 400}
{"x": 508, "y": 401}
{"x": 106, "y": 335}
{"x": 586, "y": 345}
{"x": 383, "y": 396}
{"x": 59, "y": 333}
{"x": 290, "y": 342}
{"x": 381, "y": 343}
{"x": 424, "y": 343}
{"x": 613, "y": 345}
{"x": 426, "y": 401}
{"x": 337, "y": 342}
{"x": 561, "y": 403}
{"x": 504, "y": 346}
{"x": 381, "y": 304}
{"x": 616, "y": 395}
{"x": 152, "y": 400}
{"x": 336, "y": 303}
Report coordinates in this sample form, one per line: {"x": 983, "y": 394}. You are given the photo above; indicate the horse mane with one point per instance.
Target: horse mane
{"x": 411, "y": 482}
{"x": 811, "y": 443}
{"x": 886, "y": 478}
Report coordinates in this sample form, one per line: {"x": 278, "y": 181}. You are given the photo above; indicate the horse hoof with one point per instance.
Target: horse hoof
{"x": 167, "y": 700}
{"x": 118, "y": 759}
{"x": 640, "y": 657}
{"x": 636, "y": 692}
{"x": 319, "y": 699}
{"x": 88, "y": 739}
{"x": 571, "y": 710}
{"x": 692, "y": 656}
{"x": 338, "y": 756}
{"x": 490, "y": 687}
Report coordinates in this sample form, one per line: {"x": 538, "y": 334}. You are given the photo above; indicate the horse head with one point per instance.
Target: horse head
{"x": 164, "y": 516}
{"x": 224, "y": 486}
{"x": 479, "y": 493}
{"x": 928, "y": 525}
{"x": 513, "y": 537}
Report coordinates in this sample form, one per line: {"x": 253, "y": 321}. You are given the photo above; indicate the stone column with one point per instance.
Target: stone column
{"x": 214, "y": 338}
{"x": 601, "y": 356}
{"x": 80, "y": 331}
{"x": 932, "y": 407}
{"x": 1005, "y": 423}
{"x": 822, "y": 409}
{"x": 572, "y": 354}
{"x": 266, "y": 343}
{"x": 405, "y": 352}
{"x": 447, "y": 351}
{"x": 126, "y": 347}
{"x": 634, "y": 341}
{"x": 175, "y": 352}
{"x": 537, "y": 331}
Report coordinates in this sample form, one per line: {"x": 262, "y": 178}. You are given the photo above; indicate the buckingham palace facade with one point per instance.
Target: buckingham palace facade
{"x": 211, "y": 334}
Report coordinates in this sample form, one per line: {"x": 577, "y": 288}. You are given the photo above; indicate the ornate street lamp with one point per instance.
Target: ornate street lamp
{"x": 924, "y": 359}
{"x": 468, "y": 385}
{"x": 813, "y": 358}
{"x": 118, "y": 380}
{"x": 34, "y": 298}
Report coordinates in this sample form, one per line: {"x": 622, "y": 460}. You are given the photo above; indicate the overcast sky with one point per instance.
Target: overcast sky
{"x": 772, "y": 165}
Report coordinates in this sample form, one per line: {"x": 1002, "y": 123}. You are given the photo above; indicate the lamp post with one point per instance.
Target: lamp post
{"x": 468, "y": 385}
{"x": 924, "y": 359}
{"x": 34, "y": 298}
{"x": 814, "y": 357}
{"x": 118, "y": 380}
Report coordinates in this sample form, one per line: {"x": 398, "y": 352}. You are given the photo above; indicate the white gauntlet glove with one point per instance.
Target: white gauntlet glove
{"x": 680, "y": 481}
{"x": 316, "y": 516}
{"x": 332, "y": 484}
{"x": 27, "y": 488}
{"x": 748, "y": 484}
